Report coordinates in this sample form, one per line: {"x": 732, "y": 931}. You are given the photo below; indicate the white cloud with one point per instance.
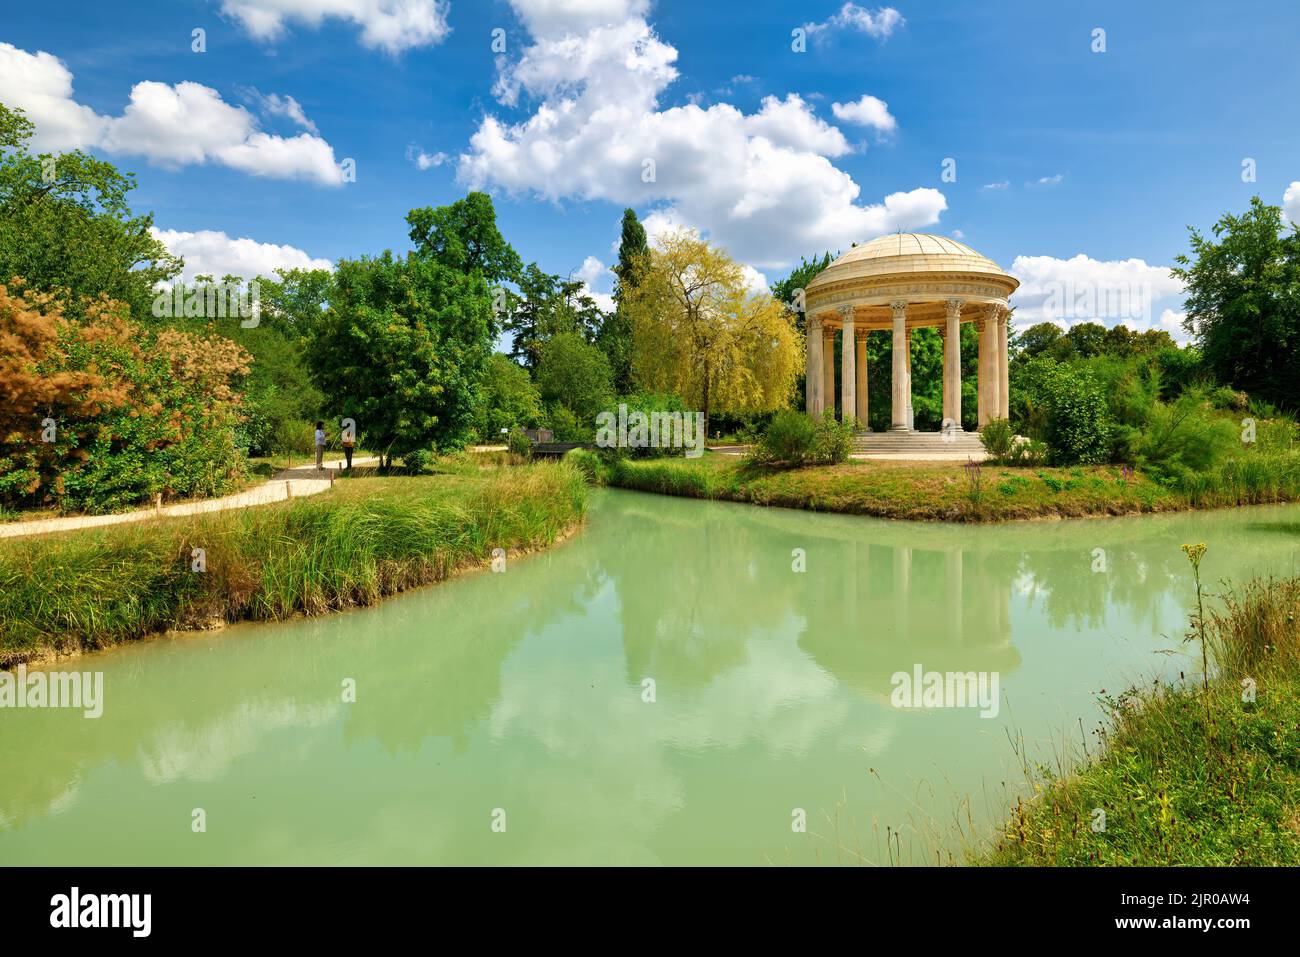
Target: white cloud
{"x": 1005, "y": 184}
{"x": 1082, "y": 289}
{"x": 425, "y": 160}
{"x": 879, "y": 23}
{"x": 593, "y": 273}
{"x": 552, "y": 18}
{"x": 1047, "y": 180}
{"x": 755, "y": 281}
{"x": 760, "y": 184}
{"x": 1172, "y": 323}
{"x": 958, "y": 234}
{"x": 389, "y": 25}
{"x": 790, "y": 122}
{"x": 275, "y": 105}
{"x": 868, "y": 111}
{"x": 209, "y": 252}
{"x": 1291, "y": 203}
{"x": 171, "y": 125}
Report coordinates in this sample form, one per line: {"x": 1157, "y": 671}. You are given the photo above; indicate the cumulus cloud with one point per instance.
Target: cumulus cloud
{"x": 550, "y": 18}
{"x": 1291, "y": 203}
{"x": 209, "y": 252}
{"x": 1047, "y": 180}
{"x": 172, "y": 125}
{"x": 868, "y": 111}
{"x": 273, "y": 104}
{"x": 1005, "y": 184}
{"x": 1172, "y": 322}
{"x": 879, "y": 23}
{"x": 424, "y": 160}
{"x": 593, "y": 273}
{"x": 389, "y": 25}
{"x": 761, "y": 184}
{"x": 1083, "y": 289}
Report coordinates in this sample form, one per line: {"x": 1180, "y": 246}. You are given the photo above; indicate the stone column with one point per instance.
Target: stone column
{"x": 828, "y": 370}
{"x": 861, "y": 367}
{"x": 952, "y": 367}
{"x": 848, "y": 369}
{"x": 1004, "y": 380}
{"x": 809, "y": 367}
{"x": 814, "y": 365}
{"x": 907, "y": 353}
{"x": 898, "y": 414}
{"x": 982, "y": 326}
{"x": 993, "y": 394}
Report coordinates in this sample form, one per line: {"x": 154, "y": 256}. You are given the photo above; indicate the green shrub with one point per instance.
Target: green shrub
{"x": 1078, "y": 424}
{"x": 793, "y": 438}
{"x": 566, "y": 426}
{"x": 833, "y": 441}
{"x": 519, "y": 444}
{"x": 417, "y": 460}
{"x": 648, "y": 404}
{"x": 296, "y": 436}
{"x": 587, "y": 462}
{"x": 998, "y": 439}
{"x": 788, "y": 439}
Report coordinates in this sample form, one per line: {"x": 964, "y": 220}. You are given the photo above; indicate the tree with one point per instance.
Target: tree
{"x": 508, "y": 399}
{"x": 575, "y": 374}
{"x": 102, "y": 413}
{"x": 1088, "y": 339}
{"x": 295, "y": 300}
{"x": 1039, "y": 339}
{"x": 701, "y": 334}
{"x": 545, "y": 307}
{"x": 402, "y": 351}
{"x": 615, "y": 335}
{"x": 464, "y": 237}
{"x": 66, "y": 227}
{"x": 786, "y": 290}
{"x": 1243, "y": 302}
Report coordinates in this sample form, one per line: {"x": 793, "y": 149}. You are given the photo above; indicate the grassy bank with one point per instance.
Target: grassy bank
{"x": 953, "y": 492}
{"x": 1187, "y": 776}
{"x": 368, "y": 538}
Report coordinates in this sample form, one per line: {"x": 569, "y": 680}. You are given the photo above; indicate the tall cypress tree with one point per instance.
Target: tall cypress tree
{"x": 615, "y": 336}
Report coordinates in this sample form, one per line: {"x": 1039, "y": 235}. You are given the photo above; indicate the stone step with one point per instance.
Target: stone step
{"x": 929, "y": 442}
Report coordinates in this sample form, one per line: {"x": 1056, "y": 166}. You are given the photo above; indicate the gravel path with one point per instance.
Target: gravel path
{"x": 296, "y": 483}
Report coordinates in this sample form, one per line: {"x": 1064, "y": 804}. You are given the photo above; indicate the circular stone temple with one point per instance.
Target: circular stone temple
{"x": 898, "y": 283}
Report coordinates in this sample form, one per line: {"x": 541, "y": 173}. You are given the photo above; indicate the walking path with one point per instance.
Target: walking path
{"x": 289, "y": 483}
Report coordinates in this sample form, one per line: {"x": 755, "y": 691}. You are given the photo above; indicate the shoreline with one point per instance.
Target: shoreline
{"x": 71, "y": 595}
{"x": 1092, "y": 492}
{"x": 49, "y": 656}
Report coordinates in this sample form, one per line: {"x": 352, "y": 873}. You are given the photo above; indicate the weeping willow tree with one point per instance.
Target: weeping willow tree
{"x": 698, "y": 332}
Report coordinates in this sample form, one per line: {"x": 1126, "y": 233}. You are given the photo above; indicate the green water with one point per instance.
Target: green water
{"x": 523, "y": 691}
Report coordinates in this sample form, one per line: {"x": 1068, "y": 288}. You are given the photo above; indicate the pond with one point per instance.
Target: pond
{"x": 667, "y": 687}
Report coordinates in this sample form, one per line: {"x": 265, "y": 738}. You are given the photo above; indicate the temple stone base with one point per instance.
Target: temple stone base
{"x": 923, "y": 446}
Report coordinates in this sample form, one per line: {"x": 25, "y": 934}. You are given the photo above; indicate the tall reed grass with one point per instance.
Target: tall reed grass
{"x": 1187, "y": 775}
{"x": 366, "y": 539}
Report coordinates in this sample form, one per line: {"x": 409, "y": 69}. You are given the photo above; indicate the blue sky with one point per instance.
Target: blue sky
{"x": 1072, "y": 166}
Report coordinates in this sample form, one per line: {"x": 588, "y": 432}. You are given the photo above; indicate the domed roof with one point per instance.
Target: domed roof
{"x": 909, "y": 254}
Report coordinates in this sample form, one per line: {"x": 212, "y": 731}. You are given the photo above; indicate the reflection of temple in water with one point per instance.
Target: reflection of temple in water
{"x": 870, "y": 603}
{"x": 889, "y": 607}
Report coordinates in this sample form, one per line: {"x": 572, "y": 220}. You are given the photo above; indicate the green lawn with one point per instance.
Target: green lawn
{"x": 907, "y": 490}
